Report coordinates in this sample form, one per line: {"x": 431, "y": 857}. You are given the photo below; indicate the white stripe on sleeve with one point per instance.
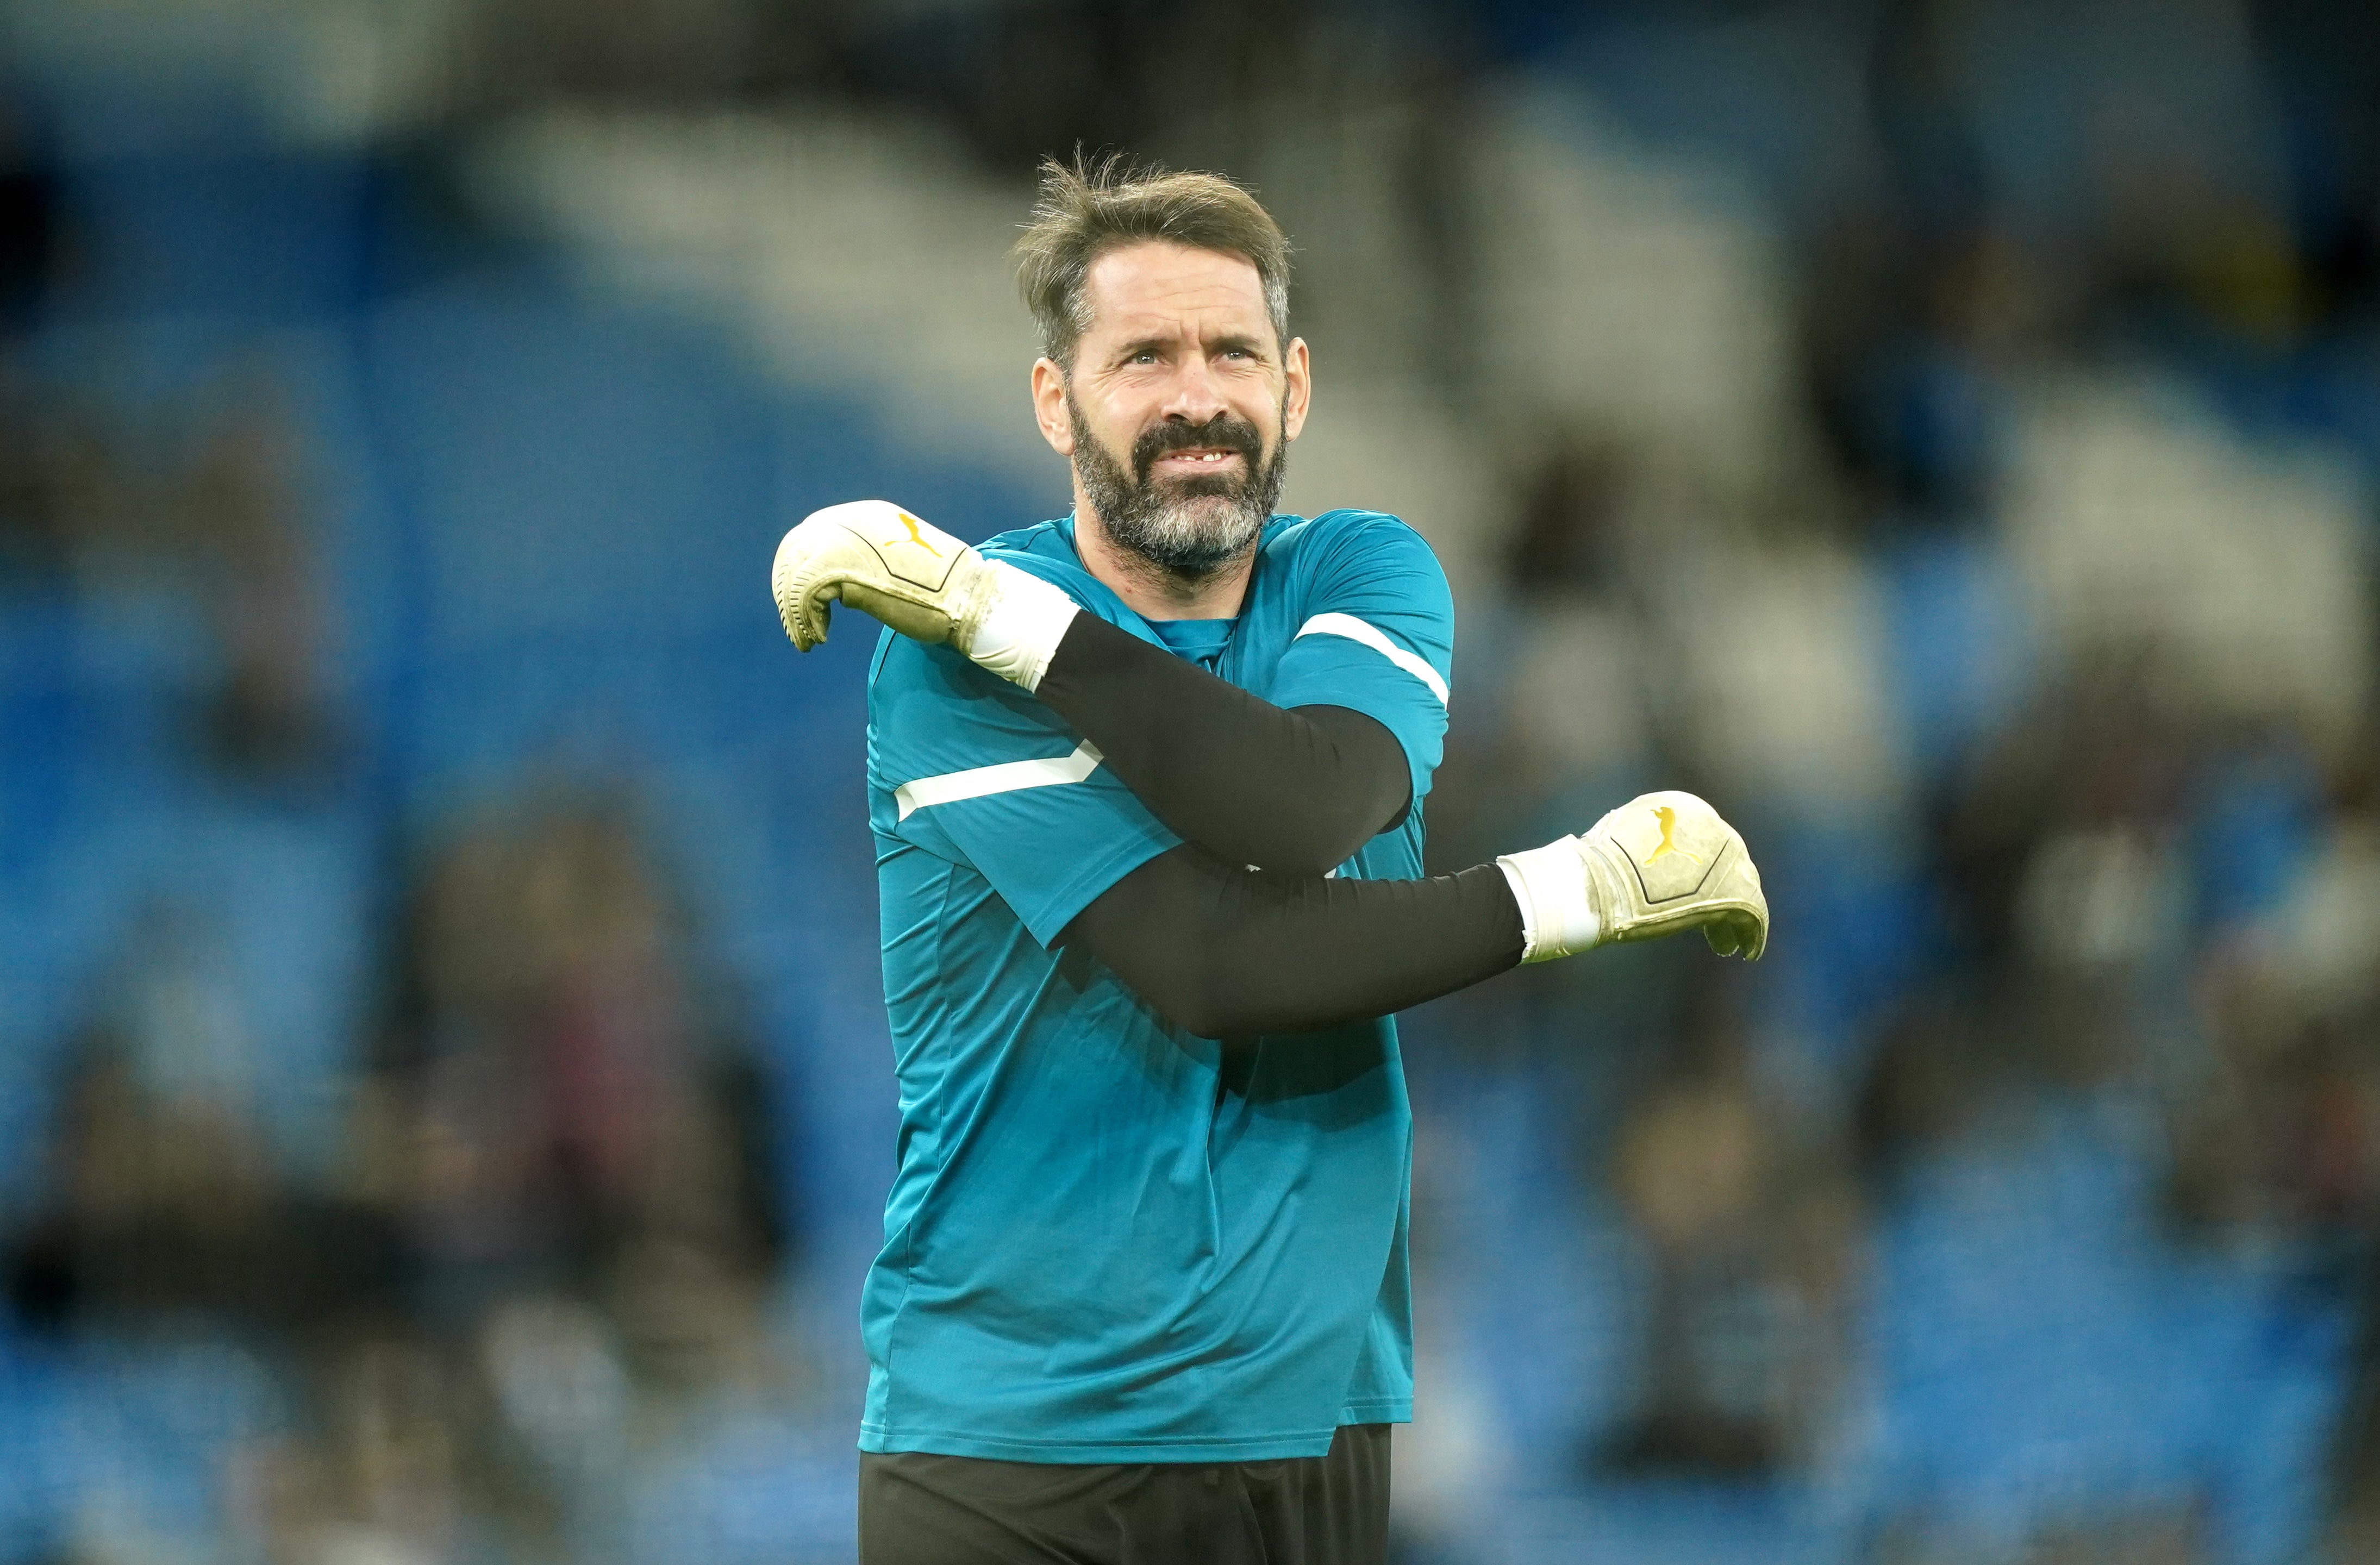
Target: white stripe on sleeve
{"x": 1005, "y": 778}
{"x": 1373, "y": 636}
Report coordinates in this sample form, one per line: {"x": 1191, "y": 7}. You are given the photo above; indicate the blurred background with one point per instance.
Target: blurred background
{"x": 445, "y": 1098}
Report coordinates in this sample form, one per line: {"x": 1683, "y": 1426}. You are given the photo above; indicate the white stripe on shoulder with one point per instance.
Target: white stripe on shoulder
{"x": 1005, "y": 778}
{"x": 1376, "y": 640}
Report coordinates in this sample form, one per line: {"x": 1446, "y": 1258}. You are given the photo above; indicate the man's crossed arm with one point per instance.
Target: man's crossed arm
{"x": 1237, "y": 930}
{"x": 1219, "y": 948}
{"x": 1295, "y": 791}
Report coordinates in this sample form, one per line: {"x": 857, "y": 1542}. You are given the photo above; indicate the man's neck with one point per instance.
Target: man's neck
{"x": 1150, "y": 590}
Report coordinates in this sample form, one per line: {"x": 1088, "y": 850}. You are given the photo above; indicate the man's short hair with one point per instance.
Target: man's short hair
{"x": 1088, "y": 208}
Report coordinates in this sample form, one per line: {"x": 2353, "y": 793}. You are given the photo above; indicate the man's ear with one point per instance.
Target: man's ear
{"x": 1298, "y": 391}
{"x": 1050, "y": 407}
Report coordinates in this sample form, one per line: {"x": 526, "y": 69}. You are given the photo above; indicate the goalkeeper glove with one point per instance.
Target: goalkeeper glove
{"x": 1658, "y": 864}
{"x": 923, "y": 583}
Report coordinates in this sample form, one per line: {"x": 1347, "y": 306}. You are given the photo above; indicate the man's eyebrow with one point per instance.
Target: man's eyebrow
{"x": 1233, "y": 342}
{"x": 1154, "y": 343}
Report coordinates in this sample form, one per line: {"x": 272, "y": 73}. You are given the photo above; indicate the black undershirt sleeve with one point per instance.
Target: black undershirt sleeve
{"x": 1219, "y": 951}
{"x": 1288, "y": 790}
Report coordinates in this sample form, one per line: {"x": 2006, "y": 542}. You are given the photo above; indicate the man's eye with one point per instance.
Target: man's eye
{"x": 1146, "y": 355}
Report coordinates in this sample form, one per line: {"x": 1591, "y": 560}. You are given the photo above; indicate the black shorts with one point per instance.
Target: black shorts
{"x": 1330, "y": 1509}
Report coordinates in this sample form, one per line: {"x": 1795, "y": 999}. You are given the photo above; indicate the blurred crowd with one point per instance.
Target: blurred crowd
{"x": 542, "y": 1255}
{"x": 1944, "y": 435}
{"x": 539, "y": 1267}
{"x": 2038, "y": 652}
{"x": 541, "y": 1263}
{"x": 539, "y": 1270}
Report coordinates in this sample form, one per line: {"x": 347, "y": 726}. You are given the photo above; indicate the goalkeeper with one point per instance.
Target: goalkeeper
{"x": 1147, "y": 785}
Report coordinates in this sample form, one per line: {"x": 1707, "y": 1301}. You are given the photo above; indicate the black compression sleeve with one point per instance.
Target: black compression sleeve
{"x": 1286, "y": 790}
{"x": 1219, "y": 950}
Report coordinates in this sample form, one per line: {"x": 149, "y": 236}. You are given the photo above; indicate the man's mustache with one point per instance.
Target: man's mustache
{"x": 1223, "y": 433}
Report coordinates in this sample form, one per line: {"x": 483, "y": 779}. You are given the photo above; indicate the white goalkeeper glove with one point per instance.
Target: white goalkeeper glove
{"x": 1658, "y": 864}
{"x": 922, "y": 582}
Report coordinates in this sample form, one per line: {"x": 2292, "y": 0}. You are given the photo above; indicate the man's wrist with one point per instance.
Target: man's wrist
{"x": 1016, "y": 631}
{"x": 1553, "y": 886}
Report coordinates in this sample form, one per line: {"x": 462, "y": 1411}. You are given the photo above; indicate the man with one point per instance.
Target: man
{"x": 1146, "y": 785}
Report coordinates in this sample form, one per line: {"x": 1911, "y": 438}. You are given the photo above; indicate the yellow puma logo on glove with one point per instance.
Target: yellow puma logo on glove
{"x": 1669, "y": 819}
{"x": 911, "y": 523}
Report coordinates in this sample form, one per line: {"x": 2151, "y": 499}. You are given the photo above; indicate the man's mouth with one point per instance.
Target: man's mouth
{"x": 1223, "y": 453}
{"x": 1194, "y": 459}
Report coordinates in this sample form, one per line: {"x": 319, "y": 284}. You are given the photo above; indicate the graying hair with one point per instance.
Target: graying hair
{"x": 1087, "y": 209}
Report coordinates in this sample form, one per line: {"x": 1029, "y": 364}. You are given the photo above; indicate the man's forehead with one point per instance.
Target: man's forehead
{"x": 1158, "y": 285}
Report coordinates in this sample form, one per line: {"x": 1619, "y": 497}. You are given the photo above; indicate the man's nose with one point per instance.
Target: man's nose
{"x": 1195, "y": 396}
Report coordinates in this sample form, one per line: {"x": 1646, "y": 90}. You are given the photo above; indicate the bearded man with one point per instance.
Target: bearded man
{"x": 1147, "y": 786}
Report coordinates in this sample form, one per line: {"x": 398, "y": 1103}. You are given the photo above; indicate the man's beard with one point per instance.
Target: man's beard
{"x": 1189, "y": 527}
